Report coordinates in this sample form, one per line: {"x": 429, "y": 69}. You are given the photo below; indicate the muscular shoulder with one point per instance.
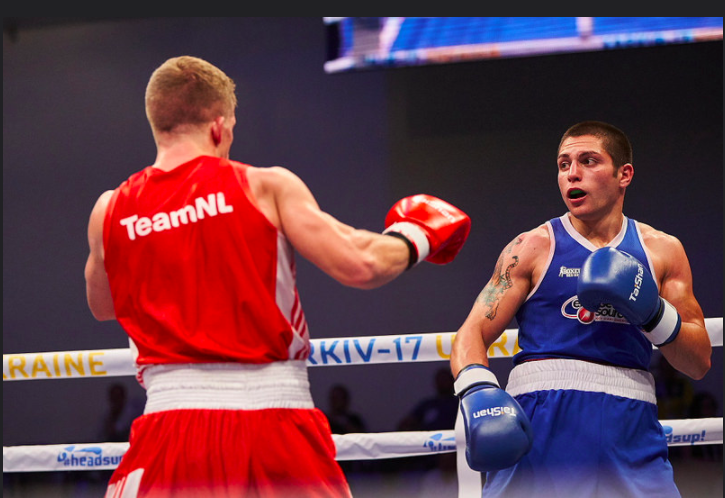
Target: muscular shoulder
{"x": 277, "y": 190}
{"x": 276, "y": 181}
{"x": 658, "y": 242}
{"x": 528, "y": 250}
{"x": 97, "y": 218}
{"x": 533, "y": 245}
{"x": 536, "y": 241}
{"x": 273, "y": 177}
{"x": 666, "y": 251}
{"x": 101, "y": 206}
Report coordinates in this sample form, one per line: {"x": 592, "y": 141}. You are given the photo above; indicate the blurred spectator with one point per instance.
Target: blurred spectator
{"x": 120, "y": 414}
{"x": 674, "y": 392}
{"x": 434, "y": 413}
{"x": 438, "y": 412}
{"x": 342, "y": 420}
{"x": 704, "y": 405}
{"x": 114, "y": 427}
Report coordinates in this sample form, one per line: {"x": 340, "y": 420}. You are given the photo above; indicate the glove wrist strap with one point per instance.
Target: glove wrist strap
{"x": 472, "y": 375}
{"x": 416, "y": 238}
{"x": 665, "y": 327}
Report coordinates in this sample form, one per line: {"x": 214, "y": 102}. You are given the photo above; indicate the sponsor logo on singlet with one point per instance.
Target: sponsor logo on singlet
{"x": 573, "y": 310}
{"x": 568, "y": 272}
{"x": 211, "y": 205}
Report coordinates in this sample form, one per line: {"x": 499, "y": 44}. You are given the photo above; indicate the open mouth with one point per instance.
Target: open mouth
{"x": 576, "y": 193}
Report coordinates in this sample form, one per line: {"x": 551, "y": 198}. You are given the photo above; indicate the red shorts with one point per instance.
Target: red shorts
{"x": 274, "y": 452}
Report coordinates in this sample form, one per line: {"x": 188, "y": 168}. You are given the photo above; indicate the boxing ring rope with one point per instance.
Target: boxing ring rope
{"x": 409, "y": 348}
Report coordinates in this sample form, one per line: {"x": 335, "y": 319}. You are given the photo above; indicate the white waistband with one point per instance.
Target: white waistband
{"x": 228, "y": 386}
{"x": 556, "y": 374}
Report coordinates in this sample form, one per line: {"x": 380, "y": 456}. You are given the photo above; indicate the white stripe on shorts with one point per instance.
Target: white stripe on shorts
{"x": 558, "y": 374}
{"x": 227, "y": 386}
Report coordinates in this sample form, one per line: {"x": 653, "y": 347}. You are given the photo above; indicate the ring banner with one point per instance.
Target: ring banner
{"x": 356, "y": 446}
{"x": 693, "y": 431}
{"x": 68, "y": 364}
{"x": 372, "y": 446}
{"x": 407, "y": 348}
{"x": 58, "y": 457}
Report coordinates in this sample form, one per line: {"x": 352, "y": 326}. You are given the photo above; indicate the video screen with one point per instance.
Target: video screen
{"x": 355, "y": 43}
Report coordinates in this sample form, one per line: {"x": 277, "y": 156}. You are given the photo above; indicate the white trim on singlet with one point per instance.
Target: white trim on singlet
{"x": 577, "y": 375}
{"x": 288, "y": 300}
{"x": 227, "y": 386}
{"x": 549, "y": 259}
{"x": 284, "y": 291}
{"x": 569, "y": 228}
{"x": 647, "y": 254}
{"x": 566, "y": 222}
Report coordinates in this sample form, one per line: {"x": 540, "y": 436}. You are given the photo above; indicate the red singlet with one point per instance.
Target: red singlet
{"x": 204, "y": 285}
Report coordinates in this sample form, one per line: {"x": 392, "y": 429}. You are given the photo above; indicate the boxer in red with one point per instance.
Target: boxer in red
{"x": 194, "y": 256}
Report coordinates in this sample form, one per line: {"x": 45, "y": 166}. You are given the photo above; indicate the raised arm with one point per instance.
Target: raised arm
{"x": 354, "y": 257}
{"x": 662, "y": 305}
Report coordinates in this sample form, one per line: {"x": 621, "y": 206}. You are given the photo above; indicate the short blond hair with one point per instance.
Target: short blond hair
{"x": 188, "y": 90}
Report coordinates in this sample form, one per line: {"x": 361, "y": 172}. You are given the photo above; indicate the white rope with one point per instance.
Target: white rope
{"x": 368, "y": 350}
{"x": 357, "y": 446}
{"x": 325, "y": 352}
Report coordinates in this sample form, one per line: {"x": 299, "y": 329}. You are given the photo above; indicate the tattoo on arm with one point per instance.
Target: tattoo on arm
{"x": 492, "y": 293}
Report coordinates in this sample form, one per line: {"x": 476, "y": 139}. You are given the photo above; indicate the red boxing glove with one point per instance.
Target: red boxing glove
{"x": 435, "y": 230}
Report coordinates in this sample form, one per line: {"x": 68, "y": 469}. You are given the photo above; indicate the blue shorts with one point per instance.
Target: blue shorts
{"x": 596, "y": 435}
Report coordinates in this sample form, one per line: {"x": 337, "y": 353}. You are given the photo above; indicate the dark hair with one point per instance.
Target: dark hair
{"x": 613, "y": 139}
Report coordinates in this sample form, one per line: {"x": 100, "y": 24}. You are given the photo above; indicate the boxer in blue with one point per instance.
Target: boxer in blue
{"x": 592, "y": 291}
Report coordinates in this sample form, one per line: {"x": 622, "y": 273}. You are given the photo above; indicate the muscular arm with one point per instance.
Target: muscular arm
{"x": 690, "y": 352}
{"x": 496, "y": 305}
{"x": 98, "y": 290}
{"x": 354, "y": 257}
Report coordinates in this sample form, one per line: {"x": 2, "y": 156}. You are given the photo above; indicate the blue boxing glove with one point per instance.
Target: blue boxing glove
{"x": 498, "y": 432}
{"x": 614, "y": 277}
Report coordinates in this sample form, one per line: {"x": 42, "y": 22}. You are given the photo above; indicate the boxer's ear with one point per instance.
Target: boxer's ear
{"x": 626, "y": 173}
{"x": 217, "y": 127}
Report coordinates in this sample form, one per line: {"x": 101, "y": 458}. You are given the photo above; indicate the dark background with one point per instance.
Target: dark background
{"x": 482, "y": 135}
